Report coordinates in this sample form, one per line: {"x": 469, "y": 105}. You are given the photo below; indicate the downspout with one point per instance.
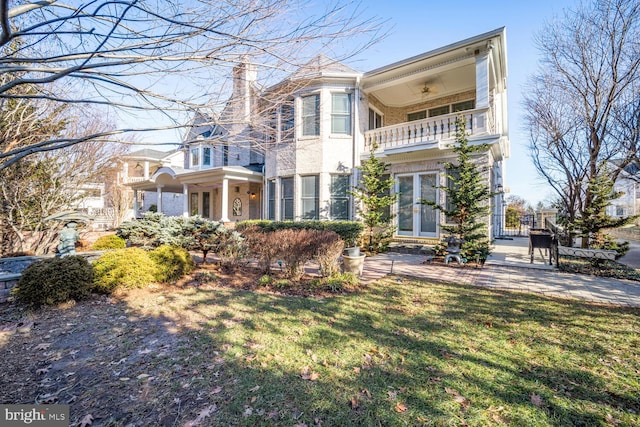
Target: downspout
{"x": 355, "y": 151}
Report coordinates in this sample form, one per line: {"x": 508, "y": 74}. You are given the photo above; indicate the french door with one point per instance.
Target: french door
{"x": 414, "y": 218}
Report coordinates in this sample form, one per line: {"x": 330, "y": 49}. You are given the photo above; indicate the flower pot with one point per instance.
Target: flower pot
{"x": 354, "y": 251}
{"x": 353, "y": 264}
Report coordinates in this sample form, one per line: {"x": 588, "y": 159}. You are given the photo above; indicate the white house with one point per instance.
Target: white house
{"x": 292, "y": 151}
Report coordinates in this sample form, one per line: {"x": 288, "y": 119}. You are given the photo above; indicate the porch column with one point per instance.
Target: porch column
{"x": 185, "y": 200}
{"x": 225, "y": 201}
{"x": 125, "y": 172}
{"x": 482, "y": 80}
{"x": 135, "y": 204}
{"x": 159, "y": 192}
{"x": 146, "y": 170}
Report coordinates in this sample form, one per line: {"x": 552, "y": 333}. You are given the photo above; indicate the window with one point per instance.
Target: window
{"x": 339, "y": 203}
{"x": 206, "y": 204}
{"x": 225, "y": 155}
{"x": 375, "y": 119}
{"x": 341, "y": 113}
{"x": 465, "y": 105}
{"x": 418, "y": 115}
{"x": 311, "y": 115}
{"x": 619, "y": 211}
{"x": 286, "y": 121}
{"x": 271, "y": 200}
{"x": 438, "y": 111}
{"x": 195, "y": 156}
{"x": 286, "y": 200}
{"x": 309, "y": 196}
{"x": 194, "y": 204}
{"x": 206, "y": 156}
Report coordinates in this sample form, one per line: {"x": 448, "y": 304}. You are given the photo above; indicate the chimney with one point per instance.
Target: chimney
{"x": 244, "y": 76}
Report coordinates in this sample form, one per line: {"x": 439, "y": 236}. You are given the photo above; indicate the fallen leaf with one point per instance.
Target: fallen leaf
{"x": 142, "y": 376}
{"x": 308, "y": 374}
{"x": 204, "y": 413}
{"x": 401, "y": 407}
{"x": 354, "y": 402}
{"x": 393, "y": 395}
{"x": 43, "y": 371}
{"x": 536, "y": 400}
{"x": 254, "y": 389}
{"x": 87, "y": 420}
{"x": 356, "y": 370}
{"x": 216, "y": 390}
{"x": 248, "y": 411}
{"x": 609, "y": 419}
{"x": 43, "y": 346}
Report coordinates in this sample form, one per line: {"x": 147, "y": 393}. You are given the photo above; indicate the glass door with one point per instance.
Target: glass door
{"x": 414, "y": 218}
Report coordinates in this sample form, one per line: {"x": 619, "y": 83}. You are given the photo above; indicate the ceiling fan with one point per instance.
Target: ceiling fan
{"x": 427, "y": 89}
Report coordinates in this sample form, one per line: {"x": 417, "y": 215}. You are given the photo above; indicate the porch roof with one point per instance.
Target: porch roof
{"x": 173, "y": 179}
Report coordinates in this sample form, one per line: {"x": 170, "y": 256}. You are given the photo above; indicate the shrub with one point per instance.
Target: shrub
{"x": 281, "y": 284}
{"x": 231, "y": 249}
{"x": 110, "y": 241}
{"x": 265, "y": 280}
{"x": 203, "y": 277}
{"x": 608, "y": 242}
{"x": 123, "y": 268}
{"x": 347, "y": 230}
{"x": 340, "y": 282}
{"x": 263, "y": 246}
{"x": 328, "y": 249}
{"x": 296, "y": 248}
{"x": 171, "y": 263}
{"x": 55, "y": 280}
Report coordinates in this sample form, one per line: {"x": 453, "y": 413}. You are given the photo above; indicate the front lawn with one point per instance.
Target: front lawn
{"x": 400, "y": 352}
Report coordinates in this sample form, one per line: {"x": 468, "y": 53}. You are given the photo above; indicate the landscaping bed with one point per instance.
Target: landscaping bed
{"x": 225, "y": 351}
{"x": 602, "y": 268}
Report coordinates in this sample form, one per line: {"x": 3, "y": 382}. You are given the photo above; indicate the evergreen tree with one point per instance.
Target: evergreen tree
{"x": 467, "y": 197}
{"x": 374, "y": 193}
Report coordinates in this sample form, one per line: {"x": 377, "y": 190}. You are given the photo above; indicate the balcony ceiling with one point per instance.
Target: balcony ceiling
{"x": 421, "y": 86}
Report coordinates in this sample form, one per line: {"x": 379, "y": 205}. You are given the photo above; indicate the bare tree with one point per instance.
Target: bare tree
{"x": 51, "y": 181}
{"x": 583, "y": 105}
{"x": 170, "y": 57}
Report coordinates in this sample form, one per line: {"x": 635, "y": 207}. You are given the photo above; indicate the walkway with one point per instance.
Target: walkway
{"x": 509, "y": 268}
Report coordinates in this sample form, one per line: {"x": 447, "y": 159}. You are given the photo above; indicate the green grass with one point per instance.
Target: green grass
{"x": 404, "y": 352}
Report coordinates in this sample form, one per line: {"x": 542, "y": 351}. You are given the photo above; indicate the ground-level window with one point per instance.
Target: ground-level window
{"x": 309, "y": 200}
{"x": 286, "y": 199}
{"x": 341, "y": 113}
{"x": 194, "y": 204}
{"x": 271, "y": 200}
{"x": 311, "y": 115}
{"x": 339, "y": 203}
{"x": 206, "y": 204}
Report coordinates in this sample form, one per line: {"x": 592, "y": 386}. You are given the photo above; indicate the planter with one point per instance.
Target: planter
{"x": 351, "y": 252}
{"x": 353, "y": 264}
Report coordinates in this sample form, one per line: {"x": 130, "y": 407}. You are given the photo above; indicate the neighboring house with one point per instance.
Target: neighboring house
{"x": 292, "y": 151}
{"x": 628, "y": 183}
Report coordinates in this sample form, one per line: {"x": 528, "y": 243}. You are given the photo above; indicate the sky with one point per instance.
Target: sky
{"x": 417, "y": 26}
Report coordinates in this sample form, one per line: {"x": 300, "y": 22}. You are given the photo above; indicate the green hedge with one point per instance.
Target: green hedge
{"x": 347, "y": 230}
{"x": 172, "y": 263}
{"x": 110, "y": 241}
{"x": 124, "y": 268}
{"x": 55, "y": 280}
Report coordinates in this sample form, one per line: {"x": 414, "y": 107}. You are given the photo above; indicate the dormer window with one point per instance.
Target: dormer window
{"x": 195, "y": 156}
{"x": 206, "y": 156}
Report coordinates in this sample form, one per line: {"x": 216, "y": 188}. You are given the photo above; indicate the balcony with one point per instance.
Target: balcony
{"x": 430, "y": 132}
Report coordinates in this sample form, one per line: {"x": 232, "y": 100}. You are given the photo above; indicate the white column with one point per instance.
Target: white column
{"x": 225, "y": 201}
{"x": 159, "y": 192}
{"x": 482, "y": 80}
{"x": 125, "y": 172}
{"x": 185, "y": 200}
{"x": 146, "y": 170}
{"x": 135, "y": 203}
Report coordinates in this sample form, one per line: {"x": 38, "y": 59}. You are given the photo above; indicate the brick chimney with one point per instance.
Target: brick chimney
{"x": 244, "y": 77}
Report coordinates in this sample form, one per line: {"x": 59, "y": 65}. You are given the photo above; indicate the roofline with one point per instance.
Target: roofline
{"x": 475, "y": 39}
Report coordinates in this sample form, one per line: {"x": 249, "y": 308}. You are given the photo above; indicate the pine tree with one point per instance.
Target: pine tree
{"x": 467, "y": 198}
{"x": 374, "y": 191}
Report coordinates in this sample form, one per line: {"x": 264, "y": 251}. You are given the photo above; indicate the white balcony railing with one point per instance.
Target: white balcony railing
{"x": 429, "y": 131}
{"x": 132, "y": 179}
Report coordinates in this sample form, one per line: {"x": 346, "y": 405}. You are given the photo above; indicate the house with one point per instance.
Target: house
{"x": 292, "y": 151}
{"x": 628, "y": 185}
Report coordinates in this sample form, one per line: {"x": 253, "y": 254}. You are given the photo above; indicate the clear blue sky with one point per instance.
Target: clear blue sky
{"x": 419, "y": 26}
